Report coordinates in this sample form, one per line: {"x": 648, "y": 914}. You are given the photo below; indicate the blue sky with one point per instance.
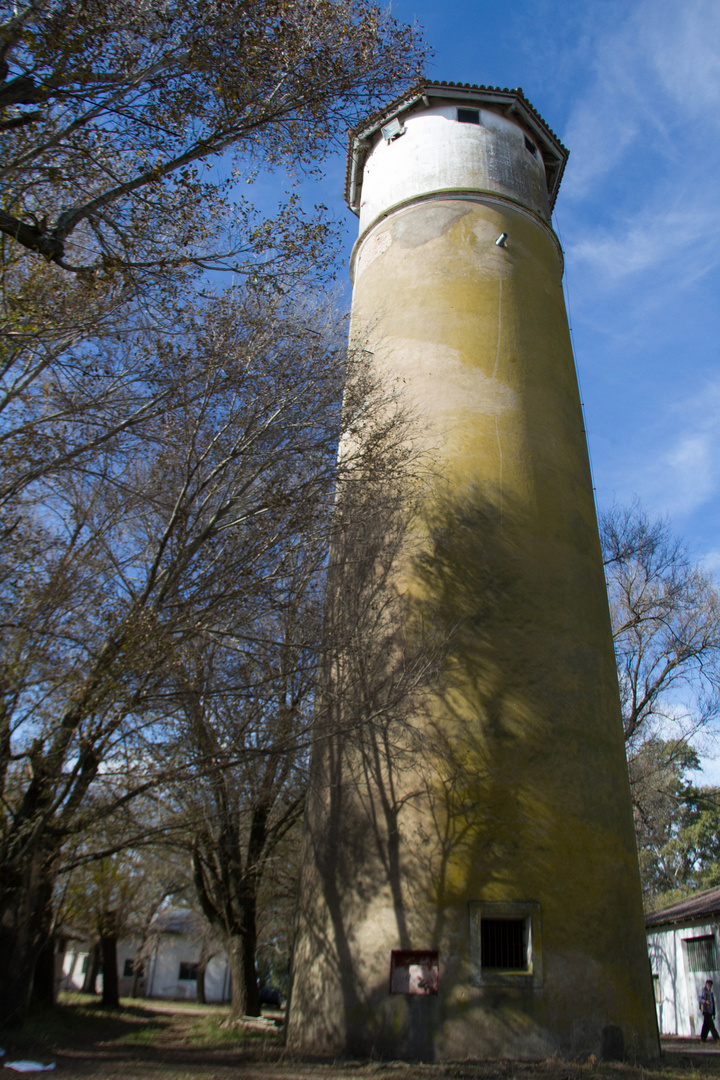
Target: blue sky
{"x": 633, "y": 89}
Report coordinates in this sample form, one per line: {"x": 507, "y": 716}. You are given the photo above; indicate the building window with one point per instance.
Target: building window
{"x": 657, "y": 989}
{"x": 85, "y": 964}
{"x": 129, "y": 971}
{"x": 187, "y": 970}
{"x": 468, "y": 116}
{"x": 702, "y": 953}
{"x": 530, "y": 145}
{"x": 505, "y": 942}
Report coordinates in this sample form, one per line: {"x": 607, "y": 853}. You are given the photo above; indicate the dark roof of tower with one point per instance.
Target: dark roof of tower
{"x": 696, "y": 906}
{"x": 553, "y": 152}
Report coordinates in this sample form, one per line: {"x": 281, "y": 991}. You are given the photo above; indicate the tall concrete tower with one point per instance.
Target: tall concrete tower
{"x": 482, "y": 899}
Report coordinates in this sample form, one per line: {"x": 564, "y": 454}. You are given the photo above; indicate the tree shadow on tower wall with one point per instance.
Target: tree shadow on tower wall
{"x": 437, "y": 696}
{"x": 518, "y": 733}
{"x": 410, "y": 594}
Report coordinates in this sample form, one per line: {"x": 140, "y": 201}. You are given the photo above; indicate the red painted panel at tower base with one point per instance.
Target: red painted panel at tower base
{"x": 413, "y": 971}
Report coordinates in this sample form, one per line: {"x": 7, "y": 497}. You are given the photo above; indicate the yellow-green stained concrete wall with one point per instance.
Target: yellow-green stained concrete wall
{"x": 530, "y": 802}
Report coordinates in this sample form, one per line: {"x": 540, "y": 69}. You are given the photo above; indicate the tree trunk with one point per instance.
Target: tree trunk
{"x": 245, "y": 999}
{"x": 108, "y": 944}
{"x": 204, "y": 959}
{"x": 200, "y": 982}
{"x": 93, "y": 968}
{"x": 138, "y": 973}
{"x": 18, "y": 955}
{"x": 24, "y": 904}
{"x": 43, "y": 992}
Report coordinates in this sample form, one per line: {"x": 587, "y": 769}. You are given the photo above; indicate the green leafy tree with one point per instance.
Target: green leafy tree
{"x": 698, "y": 840}
{"x": 661, "y": 790}
{"x": 691, "y": 857}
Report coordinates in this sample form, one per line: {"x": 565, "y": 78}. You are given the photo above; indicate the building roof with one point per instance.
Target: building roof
{"x": 514, "y": 102}
{"x": 696, "y": 906}
{"x": 177, "y": 921}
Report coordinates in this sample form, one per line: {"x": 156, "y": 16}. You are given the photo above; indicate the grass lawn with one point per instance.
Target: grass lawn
{"x": 183, "y": 1041}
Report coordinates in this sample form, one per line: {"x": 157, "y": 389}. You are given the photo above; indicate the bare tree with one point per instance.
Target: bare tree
{"x": 127, "y": 562}
{"x": 248, "y": 700}
{"x": 246, "y": 710}
{"x": 666, "y": 621}
{"x": 110, "y": 119}
{"x": 144, "y": 428}
{"x": 109, "y": 114}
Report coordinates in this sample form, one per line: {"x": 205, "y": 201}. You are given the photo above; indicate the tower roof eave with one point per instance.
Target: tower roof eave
{"x": 553, "y": 152}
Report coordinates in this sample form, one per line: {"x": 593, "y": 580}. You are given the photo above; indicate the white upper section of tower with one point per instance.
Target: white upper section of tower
{"x": 439, "y": 153}
{"x": 442, "y": 138}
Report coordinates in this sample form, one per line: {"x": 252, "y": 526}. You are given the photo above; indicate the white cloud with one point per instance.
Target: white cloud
{"x": 642, "y": 189}
{"x": 685, "y": 475}
{"x": 682, "y": 46}
{"x": 684, "y": 237}
{"x": 654, "y": 72}
{"x": 711, "y": 561}
{"x": 690, "y": 476}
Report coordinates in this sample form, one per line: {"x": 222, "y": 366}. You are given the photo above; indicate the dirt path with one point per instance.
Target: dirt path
{"x": 157, "y": 1041}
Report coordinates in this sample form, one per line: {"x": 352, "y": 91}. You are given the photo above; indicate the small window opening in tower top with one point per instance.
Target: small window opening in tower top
{"x": 530, "y": 145}
{"x": 503, "y": 944}
{"x": 468, "y": 116}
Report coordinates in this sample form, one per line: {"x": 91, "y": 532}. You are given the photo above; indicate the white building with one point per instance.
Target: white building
{"x": 169, "y": 969}
{"x": 683, "y": 945}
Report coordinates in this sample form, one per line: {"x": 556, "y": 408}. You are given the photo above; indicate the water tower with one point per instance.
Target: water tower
{"x": 485, "y": 900}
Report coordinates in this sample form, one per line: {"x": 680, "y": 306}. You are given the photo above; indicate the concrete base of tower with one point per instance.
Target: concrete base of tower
{"x": 469, "y": 1023}
{"x": 569, "y": 1001}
